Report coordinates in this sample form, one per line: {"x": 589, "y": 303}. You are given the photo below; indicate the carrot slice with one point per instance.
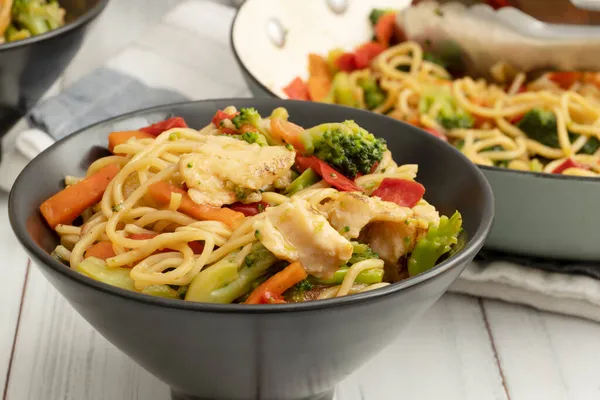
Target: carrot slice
{"x": 384, "y": 30}
{"x": 102, "y": 250}
{"x": 565, "y": 79}
{"x": 317, "y": 66}
{"x": 161, "y": 192}
{"x": 318, "y": 87}
{"x": 288, "y": 132}
{"x": 274, "y": 287}
{"x": 69, "y": 203}
{"x": 120, "y": 137}
{"x": 297, "y": 90}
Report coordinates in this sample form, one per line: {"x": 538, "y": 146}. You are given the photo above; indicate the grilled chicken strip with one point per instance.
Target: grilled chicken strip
{"x": 224, "y": 170}
{"x": 295, "y": 231}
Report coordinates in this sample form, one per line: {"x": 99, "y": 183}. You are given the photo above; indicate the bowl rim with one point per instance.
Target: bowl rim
{"x": 516, "y": 172}
{"x": 84, "y": 19}
{"x": 475, "y": 243}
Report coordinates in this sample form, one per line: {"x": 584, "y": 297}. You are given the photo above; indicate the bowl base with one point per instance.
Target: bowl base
{"x": 322, "y": 396}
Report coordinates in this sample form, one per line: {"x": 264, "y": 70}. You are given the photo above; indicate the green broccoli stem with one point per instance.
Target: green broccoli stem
{"x": 438, "y": 241}
{"x": 280, "y": 113}
{"x": 308, "y": 178}
{"x": 367, "y": 277}
{"x": 97, "y": 269}
{"x": 161, "y": 291}
{"x": 262, "y": 260}
{"x": 212, "y": 278}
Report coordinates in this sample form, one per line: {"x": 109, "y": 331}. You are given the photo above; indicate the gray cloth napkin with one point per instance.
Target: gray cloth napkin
{"x": 102, "y": 94}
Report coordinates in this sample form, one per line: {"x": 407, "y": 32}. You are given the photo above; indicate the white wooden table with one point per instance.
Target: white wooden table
{"x": 463, "y": 349}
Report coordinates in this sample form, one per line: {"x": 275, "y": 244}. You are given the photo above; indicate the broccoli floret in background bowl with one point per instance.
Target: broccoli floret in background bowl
{"x": 345, "y": 146}
{"x": 540, "y": 125}
{"x": 449, "y": 114}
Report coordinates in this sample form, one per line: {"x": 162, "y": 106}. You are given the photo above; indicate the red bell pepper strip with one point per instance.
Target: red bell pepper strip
{"x": 498, "y": 4}
{"x": 364, "y": 54}
{"x": 220, "y": 116}
{"x": 327, "y": 172}
{"x": 515, "y": 120}
{"x": 250, "y": 209}
{"x": 568, "y": 163}
{"x": 403, "y": 192}
{"x": 565, "y": 79}
{"x": 159, "y": 127}
{"x": 346, "y": 62}
{"x": 229, "y": 131}
{"x": 297, "y": 90}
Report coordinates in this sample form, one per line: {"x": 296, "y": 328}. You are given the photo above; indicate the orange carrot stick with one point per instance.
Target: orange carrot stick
{"x": 101, "y": 250}
{"x": 317, "y": 66}
{"x": 120, "y": 137}
{"x": 69, "y": 203}
{"x": 288, "y": 132}
{"x": 274, "y": 287}
{"x": 161, "y": 192}
{"x": 318, "y": 87}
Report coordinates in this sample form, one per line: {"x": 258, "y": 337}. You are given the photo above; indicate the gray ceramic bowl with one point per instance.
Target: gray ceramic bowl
{"x": 235, "y": 352}
{"x": 29, "y": 67}
{"x": 539, "y": 215}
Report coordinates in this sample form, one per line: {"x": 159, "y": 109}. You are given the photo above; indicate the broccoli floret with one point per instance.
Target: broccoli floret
{"x": 450, "y": 115}
{"x": 254, "y": 137}
{"x": 247, "y": 116}
{"x": 438, "y": 241}
{"x": 345, "y": 146}
{"x": 540, "y": 125}
{"x": 361, "y": 252}
{"x": 377, "y": 13}
{"x": 374, "y": 96}
{"x": 37, "y": 16}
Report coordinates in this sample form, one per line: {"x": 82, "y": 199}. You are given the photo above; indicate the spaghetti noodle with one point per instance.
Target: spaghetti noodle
{"x": 549, "y": 124}
{"x": 235, "y": 213}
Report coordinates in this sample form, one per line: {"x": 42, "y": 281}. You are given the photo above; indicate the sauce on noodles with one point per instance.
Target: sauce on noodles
{"x": 248, "y": 210}
{"x": 548, "y": 124}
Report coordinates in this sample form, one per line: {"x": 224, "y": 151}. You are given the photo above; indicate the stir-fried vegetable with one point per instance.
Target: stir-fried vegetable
{"x": 272, "y": 289}
{"x": 69, "y": 203}
{"x": 438, "y": 241}
{"x": 449, "y": 114}
{"x": 540, "y": 125}
{"x": 20, "y": 19}
{"x": 97, "y": 269}
{"x": 161, "y": 192}
{"x": 345, "y": 146}
{"x": 306, "y": 179}
{"x": 232, "y": 282}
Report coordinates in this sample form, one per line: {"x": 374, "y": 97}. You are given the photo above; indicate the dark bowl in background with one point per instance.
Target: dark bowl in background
{"x": 29, "y": 67}
{"x": 231, "y": 352}
{"x": 537, "y": 215}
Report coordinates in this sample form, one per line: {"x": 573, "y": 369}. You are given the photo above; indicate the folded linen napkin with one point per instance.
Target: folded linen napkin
{"x": 129, "y": 83}
{"x": 102, "y": 94}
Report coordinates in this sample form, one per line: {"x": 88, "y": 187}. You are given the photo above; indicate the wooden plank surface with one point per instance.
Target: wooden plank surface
{"x": 13, "y": 270}
{"x": 545, "y": 356}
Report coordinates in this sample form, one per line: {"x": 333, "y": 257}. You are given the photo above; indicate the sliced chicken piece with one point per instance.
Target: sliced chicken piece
{"x": 224, "y": 170}
{"x": 295, "y": 231}
{"x": 393, "y": 239}
{"x": 350, "y": 212}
